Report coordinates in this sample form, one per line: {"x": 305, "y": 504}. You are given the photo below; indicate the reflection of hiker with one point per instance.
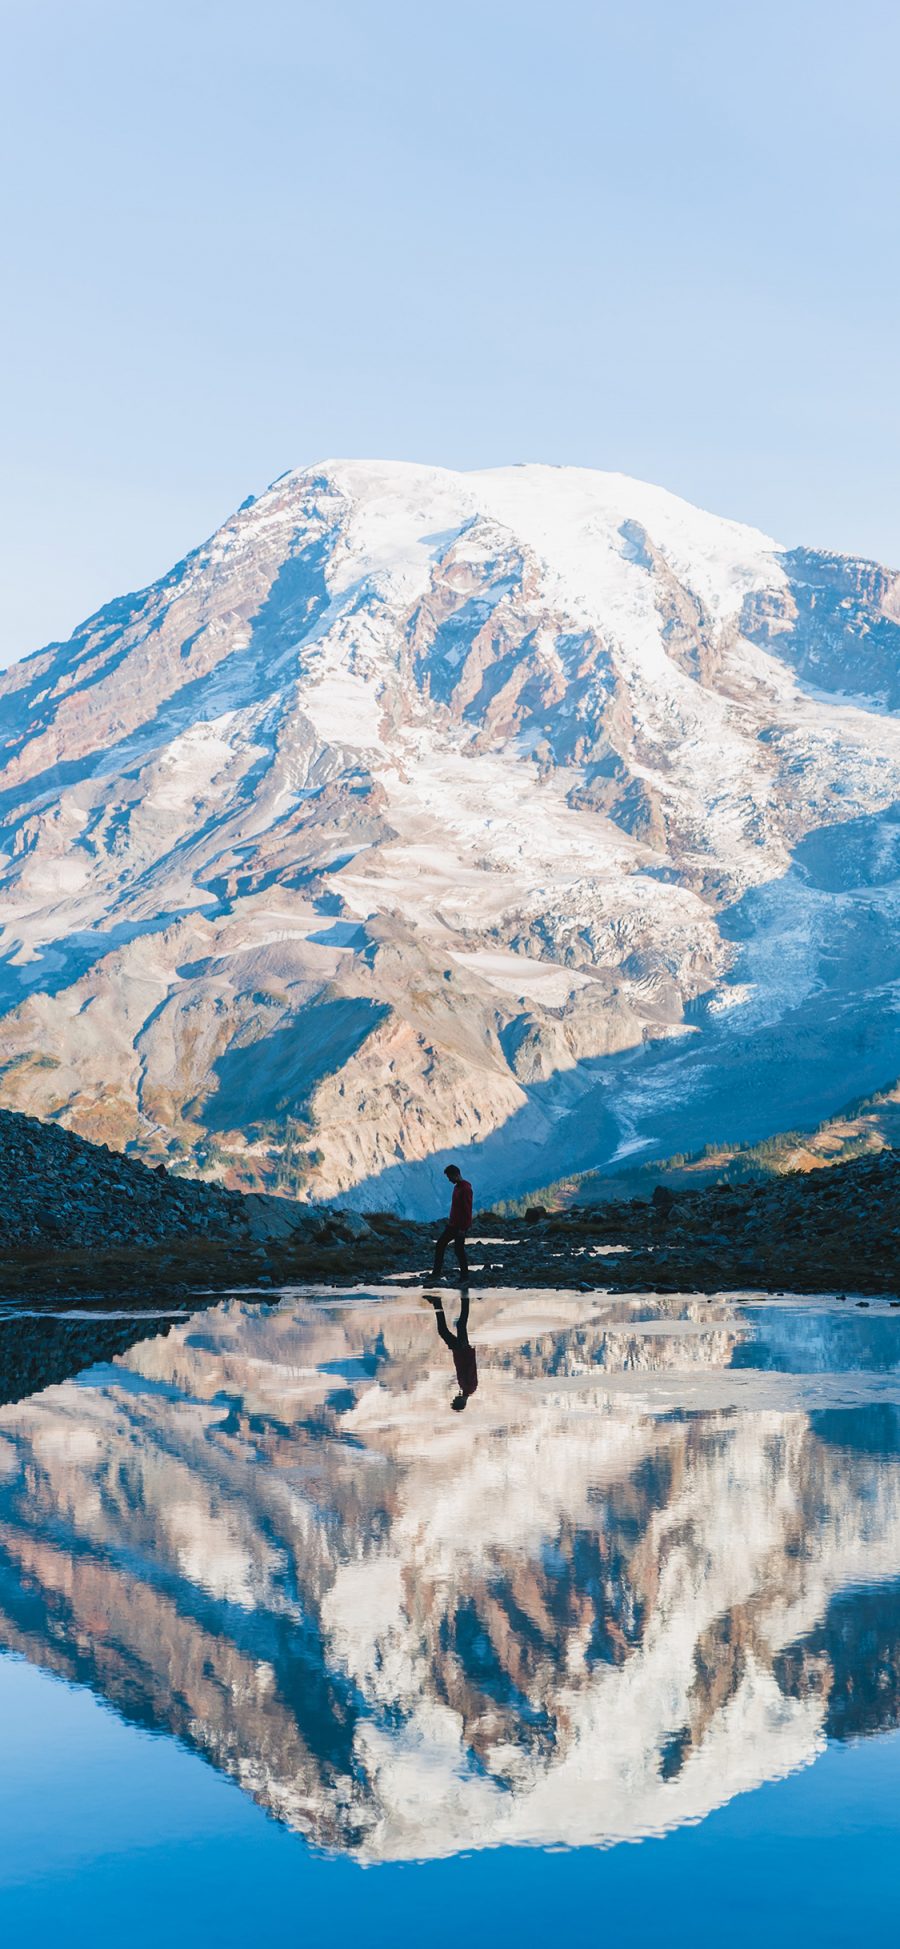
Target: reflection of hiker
{"x": 457, "y": 1224}
{"x": 463, "y": 1355}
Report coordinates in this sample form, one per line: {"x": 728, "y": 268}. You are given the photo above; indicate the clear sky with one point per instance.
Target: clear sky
{"x": 656, "y": 235}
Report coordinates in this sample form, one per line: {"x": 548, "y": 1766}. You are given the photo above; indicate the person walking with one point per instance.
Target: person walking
{"x": 457, "y": 1225}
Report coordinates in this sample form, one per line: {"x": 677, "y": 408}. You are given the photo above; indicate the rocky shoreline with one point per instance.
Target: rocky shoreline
{"x": 97, "y": 1250}
{"x": 79, "y": 1220}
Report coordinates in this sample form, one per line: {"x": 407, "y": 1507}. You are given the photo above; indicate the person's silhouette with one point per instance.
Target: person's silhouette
{"x": 457, "y": 1224}
{"x": 463, "y": 1353}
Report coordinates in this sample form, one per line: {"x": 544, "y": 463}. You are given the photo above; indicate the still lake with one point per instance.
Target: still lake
{"x": 289, "y": 1647}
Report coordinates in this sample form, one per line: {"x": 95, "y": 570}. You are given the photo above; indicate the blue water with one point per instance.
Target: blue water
{"x": 642, "y": 1596}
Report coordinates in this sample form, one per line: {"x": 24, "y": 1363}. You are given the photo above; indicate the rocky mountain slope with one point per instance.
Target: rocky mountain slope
{"x": 529, "y": 817}
{"x": 77, "y": 1217}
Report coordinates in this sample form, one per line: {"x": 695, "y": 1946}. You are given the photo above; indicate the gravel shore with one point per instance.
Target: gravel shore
{"x": 78, "y": 1219}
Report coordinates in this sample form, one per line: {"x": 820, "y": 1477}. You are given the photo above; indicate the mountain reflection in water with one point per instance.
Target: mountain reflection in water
{"x": 654, "y": 1564}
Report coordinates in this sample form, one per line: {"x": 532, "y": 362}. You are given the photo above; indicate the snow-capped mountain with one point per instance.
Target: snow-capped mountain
{"x": 530, "y": 817}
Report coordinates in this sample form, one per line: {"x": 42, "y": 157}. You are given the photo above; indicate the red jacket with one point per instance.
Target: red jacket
{"x": 461, "y": 1206}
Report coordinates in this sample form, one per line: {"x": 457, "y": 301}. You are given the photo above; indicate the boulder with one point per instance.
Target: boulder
{"x": 350, "y": 1225}
{"x": 274, "y": 1217}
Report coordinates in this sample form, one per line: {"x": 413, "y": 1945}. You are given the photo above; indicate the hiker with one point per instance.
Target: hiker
{"x": 463, "y": 1354}
{"x": 457, "y": 1224}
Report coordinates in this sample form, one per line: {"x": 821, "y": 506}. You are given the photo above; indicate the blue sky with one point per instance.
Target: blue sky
{"x": 238, "y": 237}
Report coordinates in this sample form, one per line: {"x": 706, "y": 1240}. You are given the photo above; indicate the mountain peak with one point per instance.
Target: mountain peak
{"x": 527, "y": 812}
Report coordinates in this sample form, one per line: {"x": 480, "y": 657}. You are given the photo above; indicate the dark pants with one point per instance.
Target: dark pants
{"x": 459, "y": 1246}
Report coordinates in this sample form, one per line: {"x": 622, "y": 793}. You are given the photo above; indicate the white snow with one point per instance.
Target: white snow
{"x": 462, "y": 845}
{"x": 523, "y": 977}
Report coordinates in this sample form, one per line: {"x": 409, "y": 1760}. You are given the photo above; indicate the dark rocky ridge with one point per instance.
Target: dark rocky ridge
{"x": 77, "y": 1218}
{"x": 57, "y": 1191}
{"x": 816, "y": 1231}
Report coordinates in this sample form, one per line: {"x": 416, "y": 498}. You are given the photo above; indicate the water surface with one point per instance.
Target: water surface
{"x": 289, "y": 1642}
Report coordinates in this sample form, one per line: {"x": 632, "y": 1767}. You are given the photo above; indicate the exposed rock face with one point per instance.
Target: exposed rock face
{"x": 837, "y": 623}
{"x": 267, "y": 1535}
{"x": 533, "y": 813}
